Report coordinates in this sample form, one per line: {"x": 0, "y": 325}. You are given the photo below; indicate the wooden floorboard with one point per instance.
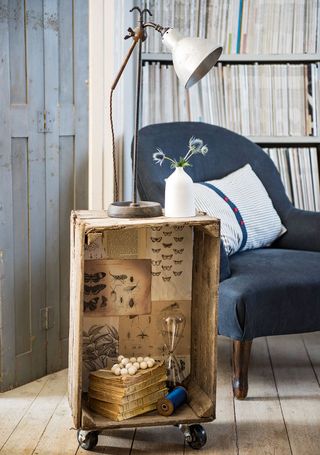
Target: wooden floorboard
{"x": 299, "y": 393}
{"x": 259, "y": 418}
{"x": 280, "y": 416}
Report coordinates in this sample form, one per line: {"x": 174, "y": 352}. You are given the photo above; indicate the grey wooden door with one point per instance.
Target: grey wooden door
{"x": 43, "y": 176}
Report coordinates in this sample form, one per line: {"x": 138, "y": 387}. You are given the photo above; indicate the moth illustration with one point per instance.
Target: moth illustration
{"x": 166, "y": 267}
{"x": 177, "y": 273}
{"x": 156, "y": 250}
{"x": 167, "y": 245}
{"x": 94, "y": 277}
{"x": 178, "y": 251}
{"x": 177, "y": 262}
{"x": 178, "y": 239}
{"x": 156, "y": 228}
{"x": 156, "y": 262}
{"x": 167, "y": 233}
{"x": 166, "y": 278}
{"x": 94, "y": 289}
{"x": 167, "y": 256}
{"x": 156, "y": 239}
{"x": 178, "y": 228}
{"x": 91, "y": 305}
{"x": 155, "y": 273}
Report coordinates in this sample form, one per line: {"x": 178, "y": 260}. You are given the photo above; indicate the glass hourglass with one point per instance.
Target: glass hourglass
{"x": 172, "y": 324}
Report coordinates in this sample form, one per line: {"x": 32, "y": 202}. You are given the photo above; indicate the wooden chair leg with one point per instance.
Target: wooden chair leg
{"x": 240, "y": 364}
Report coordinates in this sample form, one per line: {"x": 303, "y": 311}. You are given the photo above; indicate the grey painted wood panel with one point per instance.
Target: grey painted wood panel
{"x": 20, "y": 180}
{"x": 44, "y": 67}
{"x": 7, "y": 322}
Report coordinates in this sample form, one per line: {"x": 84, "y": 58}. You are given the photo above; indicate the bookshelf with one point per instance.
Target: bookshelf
{"x": 287, "y": 42}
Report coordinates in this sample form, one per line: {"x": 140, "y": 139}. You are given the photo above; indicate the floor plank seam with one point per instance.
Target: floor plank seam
{"x": 278, "y": 395}
{"x": 132, "y": 442}
{"x": 46, "y": 426}
{"x": 234, "y": 405}
{"x": 310, "y": 360}
{"x": 13, "y": 430}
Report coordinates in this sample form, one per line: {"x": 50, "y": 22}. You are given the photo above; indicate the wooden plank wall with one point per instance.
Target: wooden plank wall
{"x": 44, "y": 66}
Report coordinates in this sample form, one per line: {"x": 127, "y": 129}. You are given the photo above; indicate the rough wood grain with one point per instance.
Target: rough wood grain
{"x": 76, "y": 299}
{"x": 259, "y": 418}
{"x": 299, "y": 392}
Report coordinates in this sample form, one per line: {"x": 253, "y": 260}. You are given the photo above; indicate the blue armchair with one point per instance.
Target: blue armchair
{"x": 263, "y": 292}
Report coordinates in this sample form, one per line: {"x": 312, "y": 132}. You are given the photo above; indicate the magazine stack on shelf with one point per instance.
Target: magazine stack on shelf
{"x": 253, "y": 100}
{"x": 298, "y": 169}
{"x": 241, "y": 26}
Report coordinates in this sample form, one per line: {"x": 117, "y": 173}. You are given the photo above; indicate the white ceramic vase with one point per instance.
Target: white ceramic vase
{"x": 179, "y": 195}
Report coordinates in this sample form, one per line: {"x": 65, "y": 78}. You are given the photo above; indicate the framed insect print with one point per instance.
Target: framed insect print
{"x": 117, "y": 287}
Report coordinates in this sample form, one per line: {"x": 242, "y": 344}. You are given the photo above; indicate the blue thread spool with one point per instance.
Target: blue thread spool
{"x": 172, "y": 401}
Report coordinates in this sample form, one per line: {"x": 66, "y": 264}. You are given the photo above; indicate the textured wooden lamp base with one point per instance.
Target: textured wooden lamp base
{"x": 240, "y": 364}
{"x": 128, "y": 209}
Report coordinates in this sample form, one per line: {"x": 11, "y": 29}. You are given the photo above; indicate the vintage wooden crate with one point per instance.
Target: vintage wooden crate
{"x": 86, "y": 227}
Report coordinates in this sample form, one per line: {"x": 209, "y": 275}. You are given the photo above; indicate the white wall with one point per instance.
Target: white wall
{"x": 108, "y": 23}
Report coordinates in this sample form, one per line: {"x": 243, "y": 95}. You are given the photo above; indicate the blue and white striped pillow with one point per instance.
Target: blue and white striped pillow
{"x": 248, "y": 218}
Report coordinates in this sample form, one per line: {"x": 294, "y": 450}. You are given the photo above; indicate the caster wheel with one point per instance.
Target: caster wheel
{"x": 198, "y": 436}
{"x": 87, "y": 441}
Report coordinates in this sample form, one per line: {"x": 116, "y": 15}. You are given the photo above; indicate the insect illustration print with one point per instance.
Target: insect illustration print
{"x": 156, "y": 262}
{"x": 156, "y": 239}
{"x": 155, "y": 273}
{"x": 120, "y": 278}
{"x": 91, "y": 305}
{"x": 156, "y": 250}
{"x": 130, "y": 288}
{"x": 167, "y": 233}
{"x": 94, "y": 277}
{"x": 131, "y": 303}
{"x": 166, "y": 278}
{"x": 166, "y": 267}
{"x": 175, "y": 261}
{"x": 177, "y": 273}
{"x": 94, "y": 289}
{"x": 167, "y": 245}
{"x": 167, "y": 256}
{"x": 178, "y": 228}
{"x": 178, "y": 239}
{"x": 142, "y": 335}
{"x": 178, "y": 251}
{"x": 156, "y": 228}
{"x": 104, "y": 301}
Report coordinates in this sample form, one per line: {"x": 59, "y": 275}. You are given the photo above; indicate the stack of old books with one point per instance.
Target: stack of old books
{"x": 121, "y": 397}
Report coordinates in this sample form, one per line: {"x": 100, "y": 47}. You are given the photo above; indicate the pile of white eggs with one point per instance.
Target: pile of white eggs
{"x": 132, "y": 365}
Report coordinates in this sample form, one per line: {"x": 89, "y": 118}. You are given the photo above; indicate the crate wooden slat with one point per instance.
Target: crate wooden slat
{"x": 202, "y": 381}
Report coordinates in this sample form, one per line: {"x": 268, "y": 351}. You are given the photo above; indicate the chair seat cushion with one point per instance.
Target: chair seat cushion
{"x": 270, "y": 292}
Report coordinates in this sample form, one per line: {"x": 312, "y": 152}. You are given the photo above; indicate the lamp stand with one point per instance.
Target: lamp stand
{"x": 133, "y": 208}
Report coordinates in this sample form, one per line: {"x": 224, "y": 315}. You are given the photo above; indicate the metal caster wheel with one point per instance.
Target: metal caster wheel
{"x": 198, "y": 437}
{"x": 87, "y": 439}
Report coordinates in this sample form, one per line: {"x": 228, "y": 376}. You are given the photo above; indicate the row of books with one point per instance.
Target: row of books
{"x": 242, "y": 26}
{"x": 298, "y": 168}
{"x": 253, "y": 100}
{"x": 122, "y": 397}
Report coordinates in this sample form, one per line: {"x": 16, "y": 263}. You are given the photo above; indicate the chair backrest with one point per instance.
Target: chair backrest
{"x": 228, "y": 151}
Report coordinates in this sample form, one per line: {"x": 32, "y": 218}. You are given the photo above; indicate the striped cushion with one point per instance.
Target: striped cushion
{"x": 248, "y": 218}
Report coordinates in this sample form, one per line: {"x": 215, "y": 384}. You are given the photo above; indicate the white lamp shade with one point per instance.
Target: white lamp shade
{"x": 192, "y": 57}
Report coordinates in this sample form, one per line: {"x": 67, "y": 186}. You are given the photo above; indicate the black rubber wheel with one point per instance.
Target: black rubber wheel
{"x": 91, "y": 440}
{"x": 198, "y": 435}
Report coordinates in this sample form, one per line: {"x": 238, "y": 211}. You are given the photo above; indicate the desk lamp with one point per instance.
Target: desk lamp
{"x": 192, "y": 59}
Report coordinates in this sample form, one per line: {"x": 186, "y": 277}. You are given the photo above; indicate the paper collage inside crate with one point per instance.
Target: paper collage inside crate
{"x": 131, "y": 277}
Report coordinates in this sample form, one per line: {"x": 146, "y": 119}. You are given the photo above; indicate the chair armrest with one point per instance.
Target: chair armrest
{"x": 303, "y": 231}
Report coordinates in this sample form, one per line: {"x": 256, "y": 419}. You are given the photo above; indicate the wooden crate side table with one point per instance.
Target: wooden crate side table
{"x": 205, "y": 280}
